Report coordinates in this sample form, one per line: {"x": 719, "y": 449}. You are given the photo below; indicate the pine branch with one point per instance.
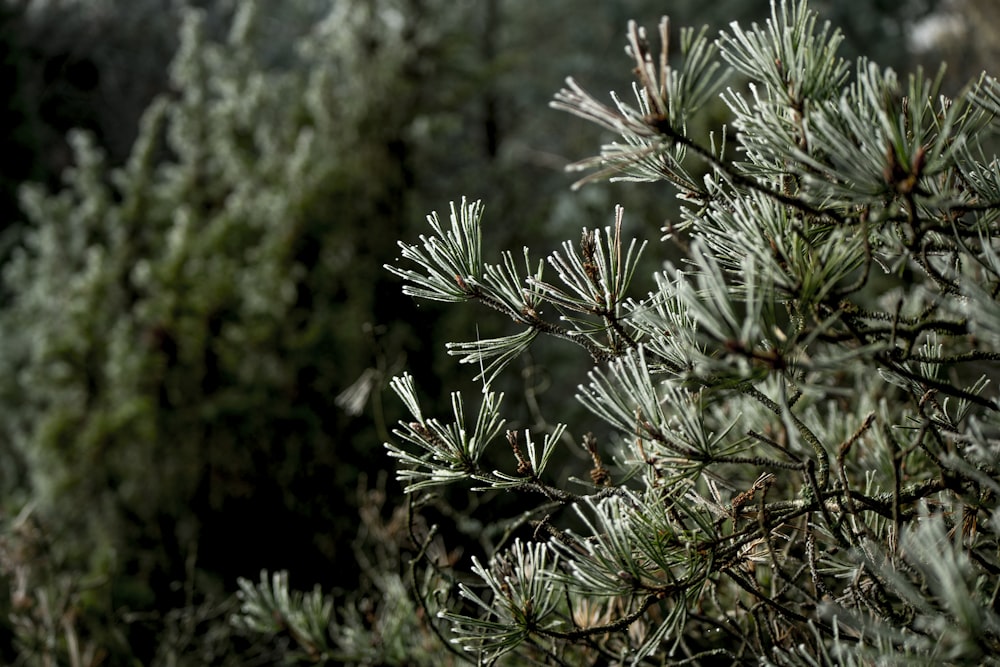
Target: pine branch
{"x": 780, "y": 332}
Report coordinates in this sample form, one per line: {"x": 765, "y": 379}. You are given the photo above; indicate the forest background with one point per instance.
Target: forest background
{"x": 196, "y": 331}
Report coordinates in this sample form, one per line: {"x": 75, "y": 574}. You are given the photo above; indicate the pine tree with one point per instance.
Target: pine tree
{"x": 793, "y": 445}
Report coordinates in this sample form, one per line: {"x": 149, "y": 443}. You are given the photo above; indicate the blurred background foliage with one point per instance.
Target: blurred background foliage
{"x": 196, "y": 200}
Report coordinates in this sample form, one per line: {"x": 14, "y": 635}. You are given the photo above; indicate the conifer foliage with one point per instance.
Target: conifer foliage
{"x": 798, "y": 442}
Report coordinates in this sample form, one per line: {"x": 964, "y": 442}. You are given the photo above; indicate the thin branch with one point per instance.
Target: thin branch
{"x": 616, "y": 626}
{"x": 421, "y": 599}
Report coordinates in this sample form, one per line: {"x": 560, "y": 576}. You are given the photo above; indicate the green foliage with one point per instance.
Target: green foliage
{"x": 270, "y": 608}
{"x": 377, "y": 623}
{"x": 800, "y": 415}
{"x": 179, "y": 328}
{"x": 182, "y": 329}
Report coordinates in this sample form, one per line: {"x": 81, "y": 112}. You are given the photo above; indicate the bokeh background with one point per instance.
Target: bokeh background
{"x": 197, "y": 199}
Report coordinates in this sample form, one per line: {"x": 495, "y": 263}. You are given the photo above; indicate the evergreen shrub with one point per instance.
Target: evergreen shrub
{"x": 794, "y": 450}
